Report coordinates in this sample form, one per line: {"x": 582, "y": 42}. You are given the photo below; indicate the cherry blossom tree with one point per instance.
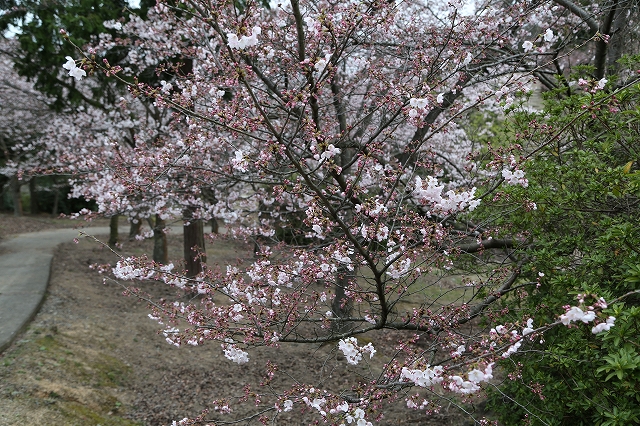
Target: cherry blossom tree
{"x": 342, "y": 123}
{"x": 83, "y": 140}
{"x": 96, "y": 147}
{"x": 22, "y": 110}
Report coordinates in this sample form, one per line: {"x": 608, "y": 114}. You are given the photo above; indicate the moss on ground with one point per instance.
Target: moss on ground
{"x": 80, "y": 414}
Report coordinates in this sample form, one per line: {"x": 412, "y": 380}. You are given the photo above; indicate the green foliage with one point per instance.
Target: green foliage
{"x": 42, "y": 49}
{"x": 585, "y": 379}
{"x": 585, "y": 238}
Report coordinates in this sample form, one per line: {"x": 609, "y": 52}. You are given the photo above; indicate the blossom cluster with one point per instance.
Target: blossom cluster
{"x": 575, "y": 314}
{"x": 244, "y": 41}
{"x": 515, "y": 177}
{"x": 235, "y": 354}
{"x": 501, "y": 334}
{"x": 451, "y": 202}
{"x": 604, "y": 326}
{"x": 455, "y": 383}
{"x": 74, "y": 71}
{"x": 357, "y": 417}
{"x": 240, "y": 162}
{"x": 474, "y": 377}
{"x": 423, "y": 378}
{"x": 127, "y": 270}
{"x": 330, "y": 152}
{"x": 341, "y": 411}
{"x": 592, "y": 86}
{"x": 418, "y": 106}
{"x": 548, "y": 37}
{"x": 353, "y": 352}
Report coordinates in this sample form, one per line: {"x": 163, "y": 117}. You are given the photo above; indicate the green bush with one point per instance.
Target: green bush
{"x": 584, "y": 237}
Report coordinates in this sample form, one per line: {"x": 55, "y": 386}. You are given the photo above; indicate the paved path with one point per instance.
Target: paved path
{"x": 25, "y": 263}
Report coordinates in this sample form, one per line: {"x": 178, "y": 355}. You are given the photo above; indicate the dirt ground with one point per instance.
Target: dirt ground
{"x": 93, "y": 357}
{"x": 10, "y": 224}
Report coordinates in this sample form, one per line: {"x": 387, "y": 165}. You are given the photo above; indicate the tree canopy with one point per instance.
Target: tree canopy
{"x": 386, "y": 162}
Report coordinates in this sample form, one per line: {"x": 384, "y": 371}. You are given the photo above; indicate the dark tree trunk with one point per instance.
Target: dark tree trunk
{"x": 258, "y": 243}
{"x": 342, "y": 305}
{"x": 622, "y": 37}
{"x": 134, "y": 229}
{"x": 33, "y": 197}
{"x": 113, "y": 231}
{"x": 215, "y": 227}
{"x": 194, "y": 250}
{"x": 56, "y": 198}
{"x": 14, "y": 187}
{"x": 160, "y": 252}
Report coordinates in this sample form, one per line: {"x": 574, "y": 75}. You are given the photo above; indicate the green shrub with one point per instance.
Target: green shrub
{"x": 584, "y": 237}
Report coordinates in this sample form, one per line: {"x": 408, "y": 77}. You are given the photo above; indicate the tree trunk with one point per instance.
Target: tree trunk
{"x": 194, "y": 250}
{"x": 56, "y": 198}
{"x": 621, "y": 34}
{"x": 14, "y": 187}
{"x": 134, "y": 228}
{"x": 160, "y": 252}
{"x": 33, "y": 197}
{"x": 215, "y": 227}
{"x": 113, "y": 231}
{"x": 342, "y": 305}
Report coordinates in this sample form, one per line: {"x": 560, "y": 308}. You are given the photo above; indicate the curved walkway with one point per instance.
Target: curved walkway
{"x": 25, "y": 263}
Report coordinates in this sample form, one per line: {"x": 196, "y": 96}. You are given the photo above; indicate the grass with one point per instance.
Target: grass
{"x": 77, "y": 385}
{"x": 110, "y": 371}
{"x": 79, "y": 414}
{"x": 431, "y": 290}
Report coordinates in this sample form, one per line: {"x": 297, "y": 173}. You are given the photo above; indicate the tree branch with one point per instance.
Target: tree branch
{"x": 489, "y": 243}
{"x": 581, "y": 13}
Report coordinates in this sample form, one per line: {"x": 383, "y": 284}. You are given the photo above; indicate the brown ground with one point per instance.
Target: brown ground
{"x": 10, "y": 224}
{"x": 93, "y": 357}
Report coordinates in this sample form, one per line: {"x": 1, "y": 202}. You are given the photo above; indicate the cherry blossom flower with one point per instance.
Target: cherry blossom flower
{"x": 321, "y": 64}
{"x": 452, "y": 202}
{"x": 548, "y": 35}
{"x": 458, "y": 352}
{"x": 125, "y": 270}
{"x": 330, "y": 152}
{"x": 515, "y": 178}
{"x": 423, "y": 378}
{"x": 601, "y": 83}
{"x": 233, "y": 353}
{"x": 74, "y": 71}
{"x": 574, "y": 313}
{"x": 419, "y": 103}
{"x": 512, "y": 349}
{"x": 166, "y": 87}
{"x": 529, "y": 328}
{"x": 70, "y": 64}
{"x": 604, "y": 326}
{"x": 358, "y": 418}
{"x": 467, "y": 59}
{"x": 353, "y": 352}
{"x": 240, "y": 162}
{"x": 245, "y": 41}
{"x": 77, "y": 73}
{"x": 316, "y": 403}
